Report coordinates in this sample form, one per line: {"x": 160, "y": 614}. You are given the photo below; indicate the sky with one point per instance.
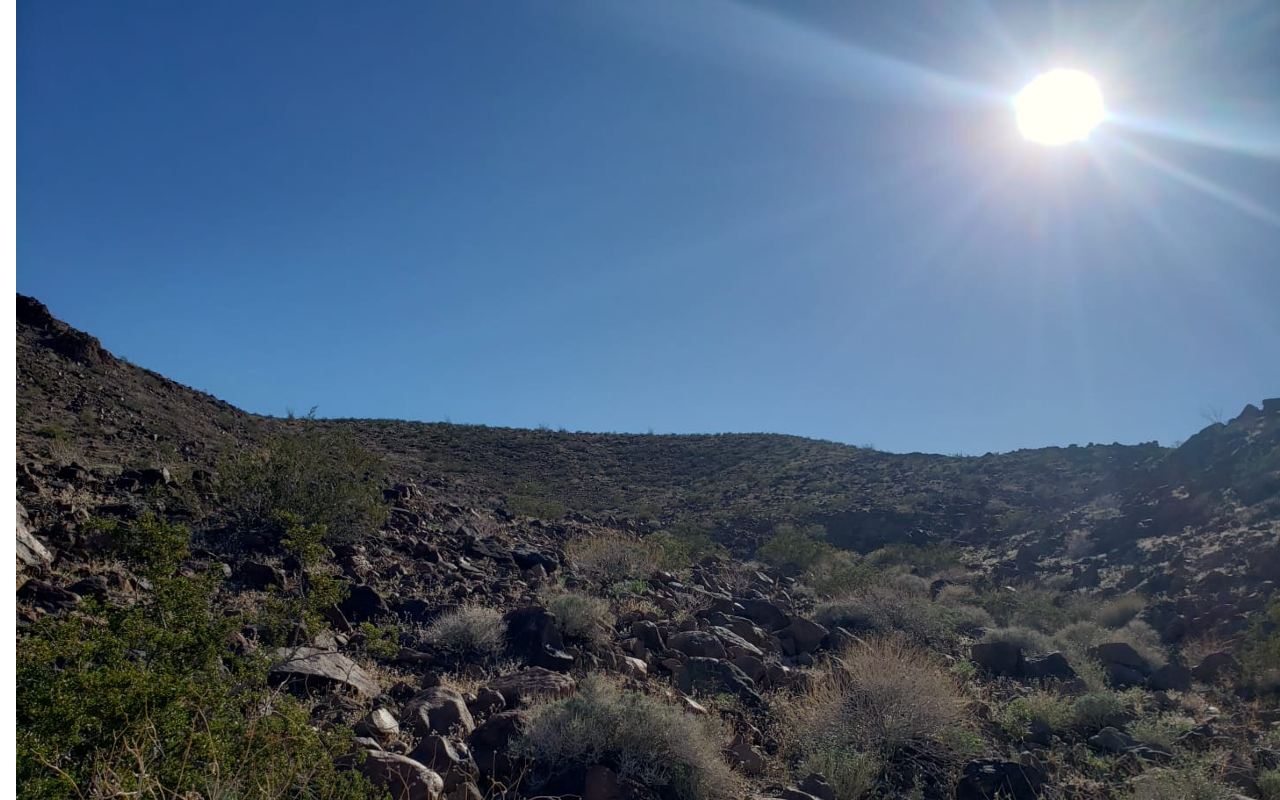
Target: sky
{"x": 671, "y": 216}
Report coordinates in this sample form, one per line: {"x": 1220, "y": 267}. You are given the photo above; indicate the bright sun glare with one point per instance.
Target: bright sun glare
{"x": 1059, "y": 107}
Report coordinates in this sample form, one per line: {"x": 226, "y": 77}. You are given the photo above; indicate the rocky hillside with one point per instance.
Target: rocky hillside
{"x": 216, "y": 603}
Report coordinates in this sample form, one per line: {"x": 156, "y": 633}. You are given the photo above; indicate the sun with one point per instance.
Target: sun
{"x": 1059, "y": 107}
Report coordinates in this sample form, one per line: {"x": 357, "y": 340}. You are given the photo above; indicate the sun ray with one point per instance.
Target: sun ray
{"x": 1186, "y": 177}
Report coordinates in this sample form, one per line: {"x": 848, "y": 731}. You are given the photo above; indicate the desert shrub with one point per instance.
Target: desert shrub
{"x": 794, "y": 549}
{"x": 1119, "y": 611}
{"x": 612, "y": 558}
{"x": 1161, "y": 730}
{"x": 581, "y": 616}
{"x": 883, "y": 608}
{"x": 1097, "y": 710}
{"x": 851, "y": 774}
{"x": 643, "y": 738}
{"x": 957, "y": 594}
{"x": 1031, "y": 641}
{"x": 1075, "y": 639}
{"x": 1269, "y": 784}
{"x": 841, "y": 572}
{"x": 1260, "y": 650}
{"x": 321, "y": 477}
{"x": 147, "y": 700}
{"x": 1041, "y": 708}
{"x": 380, "y": 641}
{"x": 967, "y": 619}
{"x": 683, "y": 544}
{"x": 925, "y": 560}
{"x": 530, "y": 499}
{"x": 1189, "y": 781}
{"x": 473, "y": 632}
{"x": 883, "y": 696}
{"x": 152, "y": 546}
{"x": 1030, "y": 607}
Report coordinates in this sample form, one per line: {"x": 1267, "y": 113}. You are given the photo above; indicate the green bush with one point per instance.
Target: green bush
{"x": 645, "y": 739}
{"x": 1269, "y": 783}
{"x": 853, "y": 775}
{"x": 1097, "y": 710}
{"x": 793, "y": 549}
{"x": 683, "y": 545}
{"x": 1040, "y": 709}
{"x": 1260, "y": 650}
{"x": 320, "y": 477}
{"x": 147, "y": 700}
{"x": 1189, "y": 781}
{"x": 1161, "y": 730}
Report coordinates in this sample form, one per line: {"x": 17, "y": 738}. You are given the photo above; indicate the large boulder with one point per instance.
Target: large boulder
{"x": 801, "y": 636}
{"x": 1049, "y": 666}
{"x": 998, "y": 658}
{"x": 535, "y": 683}
{"x": 402, "y": 777}
{"x": 699, "y": 644}
{"x": 363, "y": 603}
{"x": 1216, "y": 667}
{"x": 439, "y": 710}
{"x": 988, "y": 778}
{"x": 313, "y": 668}
{"x": 764, "y": 613}
{"x": 31, "y": 551}
{"x": 712, "y": 675}
{"x": 1171, "y": 677}
{"x": 532, "y": 633}
{"x": 489, "y": 743}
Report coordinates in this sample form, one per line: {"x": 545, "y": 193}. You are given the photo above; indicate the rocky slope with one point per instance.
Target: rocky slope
{"x": 511, "y": 570}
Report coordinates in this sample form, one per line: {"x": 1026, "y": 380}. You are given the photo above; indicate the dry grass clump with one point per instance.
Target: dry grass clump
{"x": 1119, "y": 611}
{"x": 581, "y": 616}
{"x": 611, "y": 558}
{"x": 1031, "y": 641}
{"x": 644, "y": 739}
{"x": 883, "y": 696}
{"x": 1191, "y": 781}
{"x": 1078, "y": 637}
{"x": 885, "y": 609}
{"x": 1041, "y": 709}
{"x": 468, "y": 632}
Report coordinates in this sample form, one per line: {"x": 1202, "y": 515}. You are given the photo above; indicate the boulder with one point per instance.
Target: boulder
{"x": 379, "y": 724}
{"x": 363, "y": 603}
{"x": 31, "y": 551}
{"x": 260, "y": 575}
{"x": 402, "y": 777}
{"x": 817, "y": 786}
{"x": 489, "y": 742}
{"x": 698, "y": 644}
{"x": 439, "y": 710}
{"x": 988, "y": 778}
{"x": 1112, "y": 740}
{"x": 712, "y": 675}
{"x": 801, "y": 636}
{"x": 47, "y": 596}
{"x": 1121, "y": 654}
{"x": 1049, "y": 666}
{"x": 1171, "y": 677}
{"x": 764, "y": 613}
{"x": 532, "y": 633}
{"x": 452, "y": 761}
{"x": 312, "y": 668}
{"x": 649, "y": 634}
{"x": 998, "y": 658}
{"x": 534, "y": 683}
{"x": 1216, "y": 667}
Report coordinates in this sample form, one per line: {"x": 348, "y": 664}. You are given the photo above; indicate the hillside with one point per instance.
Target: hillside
{"x": 721, "y": 572}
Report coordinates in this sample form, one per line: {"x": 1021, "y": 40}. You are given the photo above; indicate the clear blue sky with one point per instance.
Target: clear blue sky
{"x": 678, "y": 216}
